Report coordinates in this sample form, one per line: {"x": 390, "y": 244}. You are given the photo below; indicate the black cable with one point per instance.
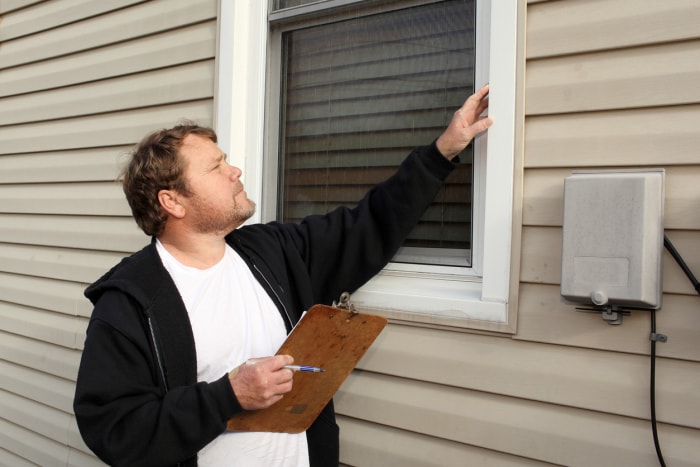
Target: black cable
{"x": 671, "y": 249}
{"x": 654, "y": 337}
{"x": 652, "y": 390}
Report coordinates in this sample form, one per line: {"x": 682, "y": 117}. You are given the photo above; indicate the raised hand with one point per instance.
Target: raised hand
{"x": 467, "y": 122}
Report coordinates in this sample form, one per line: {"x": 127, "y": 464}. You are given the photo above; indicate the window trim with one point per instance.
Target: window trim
{"x": 476, "y": 298}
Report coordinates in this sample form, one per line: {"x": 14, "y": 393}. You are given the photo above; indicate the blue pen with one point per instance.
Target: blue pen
{"x": 310, "y": 369}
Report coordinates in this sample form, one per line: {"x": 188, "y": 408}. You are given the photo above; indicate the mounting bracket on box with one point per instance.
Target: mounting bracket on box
{"x": 611, "y": 314}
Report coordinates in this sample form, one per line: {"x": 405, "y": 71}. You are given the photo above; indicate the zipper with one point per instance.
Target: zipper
{"x": 274, "y": 292}
{"x": 249, "y": 260}
{"x": 156, "y": 349}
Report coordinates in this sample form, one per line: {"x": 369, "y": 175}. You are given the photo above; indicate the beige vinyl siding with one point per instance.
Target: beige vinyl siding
{"x": 611, "y": 86}
{"x": 80, "y": 82}
{"x": 608, "y": 84}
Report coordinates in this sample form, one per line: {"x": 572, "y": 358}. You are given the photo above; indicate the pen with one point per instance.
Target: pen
{"x": 310, "y": 369}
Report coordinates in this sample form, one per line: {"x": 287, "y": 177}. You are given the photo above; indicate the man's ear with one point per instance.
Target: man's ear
{"x": 170, "y": 201}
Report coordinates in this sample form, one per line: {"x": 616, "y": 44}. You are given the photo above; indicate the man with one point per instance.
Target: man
{"x": 182, "y": 332}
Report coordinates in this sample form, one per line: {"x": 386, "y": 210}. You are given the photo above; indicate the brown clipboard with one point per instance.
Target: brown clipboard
{"x": 327, "y": 337}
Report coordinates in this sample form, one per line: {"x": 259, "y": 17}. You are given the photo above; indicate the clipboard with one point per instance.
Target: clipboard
{"x": 330, "y": 337}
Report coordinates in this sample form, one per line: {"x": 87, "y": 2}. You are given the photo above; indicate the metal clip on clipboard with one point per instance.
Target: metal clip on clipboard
{"x": 345, "y": 304}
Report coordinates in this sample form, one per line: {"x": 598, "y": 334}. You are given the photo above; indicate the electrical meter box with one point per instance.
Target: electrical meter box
{"x": 613, "y": 237}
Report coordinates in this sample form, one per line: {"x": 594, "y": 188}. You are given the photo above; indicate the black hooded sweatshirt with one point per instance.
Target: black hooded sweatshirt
{"x": 137, "y": 399}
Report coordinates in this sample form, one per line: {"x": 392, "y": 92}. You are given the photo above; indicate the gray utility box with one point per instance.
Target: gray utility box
{"x": 613, "y": 237}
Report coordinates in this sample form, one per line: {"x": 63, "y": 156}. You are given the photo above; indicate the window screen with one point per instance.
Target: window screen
{"x": 358, "y": 95}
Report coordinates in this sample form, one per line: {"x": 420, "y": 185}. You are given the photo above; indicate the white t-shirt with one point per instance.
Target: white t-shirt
{"x": 234, "y": 319}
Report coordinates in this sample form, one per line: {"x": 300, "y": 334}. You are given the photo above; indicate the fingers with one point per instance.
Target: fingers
{"x": 475, "y": 105}
{"x": 278, "y": 361}
{"x": 482, "y": 106}
{"x": 466, "y": 123}
{"x": 477, "y": 102}
{"x": 482, "y": 125}
{"x": 481, "y": 93}
{"x": 261, "y": 382}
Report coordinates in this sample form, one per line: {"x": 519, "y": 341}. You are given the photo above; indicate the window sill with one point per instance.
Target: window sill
{"x": 432, "y": 299}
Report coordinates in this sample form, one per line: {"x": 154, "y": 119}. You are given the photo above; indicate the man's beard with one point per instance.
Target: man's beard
{"x": 210, "y": 221}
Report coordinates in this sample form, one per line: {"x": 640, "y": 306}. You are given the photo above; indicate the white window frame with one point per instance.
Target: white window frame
{"x": 475, "y": 297}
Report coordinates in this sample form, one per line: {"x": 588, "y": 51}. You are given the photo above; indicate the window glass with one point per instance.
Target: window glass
{"x": 358, "y": 95}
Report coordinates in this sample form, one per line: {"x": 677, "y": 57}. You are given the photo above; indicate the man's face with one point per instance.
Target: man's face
{"x": 218, "y": 203}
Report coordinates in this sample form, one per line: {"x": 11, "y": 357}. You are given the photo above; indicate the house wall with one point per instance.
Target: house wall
{"x": 605, "y": 84}
{"x": 80, "y": 82}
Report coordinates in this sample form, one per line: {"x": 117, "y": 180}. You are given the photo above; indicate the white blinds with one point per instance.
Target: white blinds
{"x": 360, "y": 94}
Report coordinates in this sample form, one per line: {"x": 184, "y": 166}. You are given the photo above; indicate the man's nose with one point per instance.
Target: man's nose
{"x": 235, "y": 172}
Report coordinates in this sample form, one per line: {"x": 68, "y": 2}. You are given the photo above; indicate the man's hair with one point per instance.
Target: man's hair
{"x": 156, "y": 165}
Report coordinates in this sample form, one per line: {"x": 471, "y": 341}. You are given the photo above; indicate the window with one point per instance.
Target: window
{"x": 335, "y": 93}
{"x": 357, "y": 95}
